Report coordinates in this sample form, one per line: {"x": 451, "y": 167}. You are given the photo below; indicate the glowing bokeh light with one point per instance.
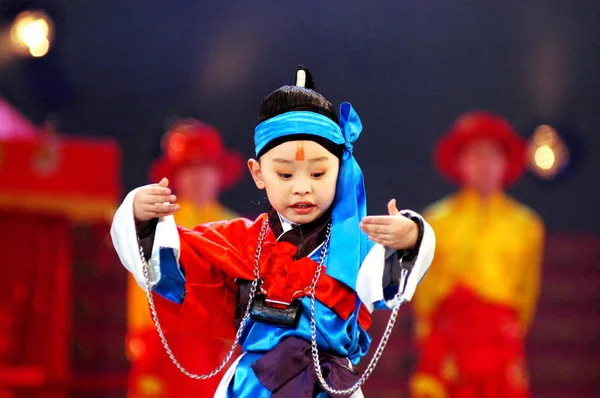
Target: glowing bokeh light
{"x": 32, "y": 33}
{"x": 544, "y": 157}
{"x": 548, "y": 153}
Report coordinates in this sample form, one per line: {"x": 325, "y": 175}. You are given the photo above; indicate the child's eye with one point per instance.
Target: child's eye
{"x": 318, "y": 175}
{"x": 286, "y": 176}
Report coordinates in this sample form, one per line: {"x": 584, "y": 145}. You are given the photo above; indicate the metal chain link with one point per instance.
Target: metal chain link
{"x": 240, "y": 330}
{"x": 397, "y": 302}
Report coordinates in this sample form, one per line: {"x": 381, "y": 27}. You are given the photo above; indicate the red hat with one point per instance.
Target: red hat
{"x": 191, "y": 142}
{"x": 480, "y": 125}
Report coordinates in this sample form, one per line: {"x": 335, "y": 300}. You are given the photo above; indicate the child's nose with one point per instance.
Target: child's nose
{"x": 301, "y": 187}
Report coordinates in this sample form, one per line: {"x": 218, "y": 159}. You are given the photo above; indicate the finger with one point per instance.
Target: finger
{"x": 383, "y": 242}
{"x": 157, "y": 190}
{"x": 375, "y": 229}
{"x": 157, "y": 208}
{"x": 164, "y": 182}
{"x": 392, "y": 209}
{"x": 382, "y": 237}
{"x": 152, "y": 199}
{"x": 380, "y": 220}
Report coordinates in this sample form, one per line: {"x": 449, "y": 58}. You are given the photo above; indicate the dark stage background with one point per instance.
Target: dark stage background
{"x": 125, "y": 68}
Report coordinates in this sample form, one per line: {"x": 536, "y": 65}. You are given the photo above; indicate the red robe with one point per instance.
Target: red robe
{"x": 216, "y": 254}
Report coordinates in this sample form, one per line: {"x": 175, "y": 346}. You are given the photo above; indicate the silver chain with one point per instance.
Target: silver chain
{"x": 240, "y": 330}
{"x": 397, "y": 302}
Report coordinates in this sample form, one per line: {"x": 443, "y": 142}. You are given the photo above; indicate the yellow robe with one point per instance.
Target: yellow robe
{"x": 491, "y": 246}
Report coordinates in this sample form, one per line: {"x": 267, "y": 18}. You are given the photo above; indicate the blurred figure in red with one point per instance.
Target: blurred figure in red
{"x": 199, "y": 168}
{"x": 474, "y": 307}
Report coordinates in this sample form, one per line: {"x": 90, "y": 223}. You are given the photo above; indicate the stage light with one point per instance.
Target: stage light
{"x": 544, "y": 157}
{"x": 548, "y": 153}
{"x": 32, "y": 33}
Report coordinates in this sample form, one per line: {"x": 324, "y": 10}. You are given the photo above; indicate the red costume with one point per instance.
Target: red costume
{"x": 230, "y": 248}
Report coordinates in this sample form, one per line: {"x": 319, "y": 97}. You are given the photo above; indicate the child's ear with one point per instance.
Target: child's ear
{"x": 256, "y": 173}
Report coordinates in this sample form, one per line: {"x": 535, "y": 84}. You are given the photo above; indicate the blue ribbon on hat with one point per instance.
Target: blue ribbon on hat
{"x": 348, "y": 245}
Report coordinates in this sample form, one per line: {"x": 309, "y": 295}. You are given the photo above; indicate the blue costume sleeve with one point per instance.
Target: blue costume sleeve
{"x": 171, "y": 285}
{"x": 172, "y": 281}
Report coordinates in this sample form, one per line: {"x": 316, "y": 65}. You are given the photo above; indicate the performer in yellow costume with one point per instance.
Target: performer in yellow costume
{"x": 476, "y": 304}
{"x": 199, "y": 168}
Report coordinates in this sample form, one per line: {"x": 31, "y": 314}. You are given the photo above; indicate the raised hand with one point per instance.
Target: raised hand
{"x": 154, "y": 201}
{"x": 394, "y": 230}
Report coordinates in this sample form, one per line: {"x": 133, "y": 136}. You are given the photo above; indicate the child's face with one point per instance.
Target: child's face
{"x": 300, "y": 179}
{"x": 197, "y": 183}
{"x": 482, "y": 165}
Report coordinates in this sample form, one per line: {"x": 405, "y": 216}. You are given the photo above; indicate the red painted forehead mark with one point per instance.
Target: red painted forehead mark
{"x": 300, "y": 151}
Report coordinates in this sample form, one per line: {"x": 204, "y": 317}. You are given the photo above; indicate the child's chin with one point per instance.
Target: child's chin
{"x": 302, "y": 218}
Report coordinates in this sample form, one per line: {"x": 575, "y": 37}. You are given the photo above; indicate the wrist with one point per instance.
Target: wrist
{"x": 419, "y": 229}
{"x": 145, "y": 228}
{"x": 414, "y": 235}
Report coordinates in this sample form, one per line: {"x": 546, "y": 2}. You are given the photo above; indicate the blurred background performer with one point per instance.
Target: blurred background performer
{"x": 199, "y": 168}
{"x": 476, "y": 304}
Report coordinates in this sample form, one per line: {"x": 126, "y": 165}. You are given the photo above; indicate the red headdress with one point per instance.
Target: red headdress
{"x": 480, "y": 125}
{"x": 191, "y": 142}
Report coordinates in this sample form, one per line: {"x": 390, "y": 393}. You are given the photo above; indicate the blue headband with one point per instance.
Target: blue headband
{"x": 348, "y": 245}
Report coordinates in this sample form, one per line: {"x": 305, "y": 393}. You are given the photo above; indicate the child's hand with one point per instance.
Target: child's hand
{"x": 154, "y": 201}
{"x": 393, "y": 231}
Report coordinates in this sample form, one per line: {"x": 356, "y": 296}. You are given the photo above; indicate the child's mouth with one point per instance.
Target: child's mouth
{"x": 302, "y": 207}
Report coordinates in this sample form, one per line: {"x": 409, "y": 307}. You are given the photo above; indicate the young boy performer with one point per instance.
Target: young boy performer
{"x": 307, "y": 272}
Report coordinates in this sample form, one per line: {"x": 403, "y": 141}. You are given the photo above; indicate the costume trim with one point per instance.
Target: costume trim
{"x": 125, "y": 240}
{"x": 369, "y": 282}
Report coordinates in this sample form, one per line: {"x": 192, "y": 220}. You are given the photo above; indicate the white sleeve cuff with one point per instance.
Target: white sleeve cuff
{"x": 125, "y": 241}
{"x": 369, "y": 284}
{"x": 166, "y": 236}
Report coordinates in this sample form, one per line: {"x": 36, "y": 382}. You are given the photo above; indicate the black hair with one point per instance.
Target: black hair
{"x": 298, "y": 98}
